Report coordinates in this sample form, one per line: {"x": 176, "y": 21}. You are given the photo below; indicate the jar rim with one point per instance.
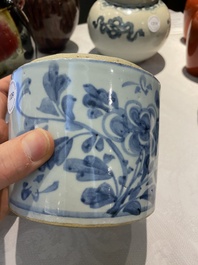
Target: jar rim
{"x": 133, "y": 3}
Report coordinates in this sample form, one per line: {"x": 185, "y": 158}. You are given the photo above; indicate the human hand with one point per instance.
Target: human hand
{"x": 20, "y": 156}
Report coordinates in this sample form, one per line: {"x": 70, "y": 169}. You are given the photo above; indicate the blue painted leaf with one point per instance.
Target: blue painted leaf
{"x": 26, "y": 86}
{"x": 113, "y": 100}
{"x": 63, "y": 147}
{"x": 47, "y": 106}
{"x": 122, "y": 180}
{"x": 49, "y": 85}
{"x": 25, "y": 184}
{"x": 134, "y": 193}
{"x": 52, "y": 187}
{"x": 48, "y": 165}
{"x": 109, "y": 98}
{"x": 39, "y": 178}
{"x": 143, "y": 81}
{"x": 107, "y": 158}
{"x": 149, "y": 194}
{"x": 94, "y": 113}
{"x": 62, "y": 82}
{"x": 146, "y": 165}
{"x": 90, "y": 89}
{"x": 103, "y": 95}
{"x": 96, "y": 163}
{"x": 137, "y": 89}
{"x": 25, "y": 193}
{"x": 133, "y": 207}
{"x": 149, "y": 87}
{"x": 100, "y": 144}
{"x": 91, "y": 168}
{"x": 52, "y": 72}
{"x": 98, "y": 197}
{"x": 29, "y": 123}
{"x": 67, "y": 104}
{"x": 92, "y": 102}
{"x": 53, "y": 83}
{"x": 129, "y": 83}
{"x": 88, "y": 144}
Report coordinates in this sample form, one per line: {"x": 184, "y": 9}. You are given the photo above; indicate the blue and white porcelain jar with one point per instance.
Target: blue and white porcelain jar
{"x": 127, "y": 29}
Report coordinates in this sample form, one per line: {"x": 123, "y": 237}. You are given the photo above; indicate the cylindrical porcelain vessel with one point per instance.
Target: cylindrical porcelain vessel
{"x": 134, "y": 34}
{"x": 103, "y": 170}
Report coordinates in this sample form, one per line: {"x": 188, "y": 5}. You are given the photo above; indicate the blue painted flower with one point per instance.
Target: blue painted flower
{"x": 143, "y": 135}
{"x": 135, "y": 127}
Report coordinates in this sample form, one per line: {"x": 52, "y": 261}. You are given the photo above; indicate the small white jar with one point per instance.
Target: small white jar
{"x": 134, "y": 34}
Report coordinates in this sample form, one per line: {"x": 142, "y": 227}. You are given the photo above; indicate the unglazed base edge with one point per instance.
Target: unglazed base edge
{"x": 79, "y": 222}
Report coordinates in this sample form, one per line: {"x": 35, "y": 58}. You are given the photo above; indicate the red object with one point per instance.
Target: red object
{"x": 9, "y": 41}
{"x": 192, "y": 46}
{"x": 190, "y": 8}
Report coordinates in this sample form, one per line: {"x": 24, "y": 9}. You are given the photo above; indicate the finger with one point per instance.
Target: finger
{"x": 3, "y": 131}
{"x": 4, "y": 208}
{"x": 24, "y": 154}
{"x": 4, "y": 86}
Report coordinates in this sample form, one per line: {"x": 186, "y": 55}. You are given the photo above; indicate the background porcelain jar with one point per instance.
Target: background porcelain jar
{"x": 133, "y": 3}
{"x": 134, "y": 34}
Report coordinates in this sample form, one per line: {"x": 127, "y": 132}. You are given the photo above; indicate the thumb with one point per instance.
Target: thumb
{"x": 24, "y": 154}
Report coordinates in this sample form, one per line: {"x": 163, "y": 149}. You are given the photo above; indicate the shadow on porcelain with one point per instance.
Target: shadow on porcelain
{"x": 44, "y": 244}
{"x": 190, "y": 77}
{"x": 154, "y": 65}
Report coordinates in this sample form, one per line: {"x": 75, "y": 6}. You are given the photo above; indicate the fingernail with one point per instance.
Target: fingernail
{"x": 36, "y": 144}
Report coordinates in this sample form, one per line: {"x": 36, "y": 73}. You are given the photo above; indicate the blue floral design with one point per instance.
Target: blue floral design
{"x": 130, "y": 130}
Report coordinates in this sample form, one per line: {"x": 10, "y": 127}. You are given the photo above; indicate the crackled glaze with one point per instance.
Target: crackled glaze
{"x": 103, "y": 170}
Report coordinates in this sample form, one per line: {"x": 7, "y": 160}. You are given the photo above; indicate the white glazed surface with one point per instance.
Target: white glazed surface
{"x": 134, "y": 34}
{"x": 103, "y": 140}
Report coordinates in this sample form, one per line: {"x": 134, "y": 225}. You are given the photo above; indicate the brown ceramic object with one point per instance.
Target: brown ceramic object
{"x": 190, "y": 8}
{"x": 16, "y": 43}
{"x": 52, "y": 22}
{"x": 192, "y": 46}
